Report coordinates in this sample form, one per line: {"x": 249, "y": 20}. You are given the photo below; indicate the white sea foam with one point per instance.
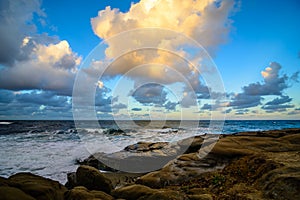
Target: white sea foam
{"x": 5, "y": 123}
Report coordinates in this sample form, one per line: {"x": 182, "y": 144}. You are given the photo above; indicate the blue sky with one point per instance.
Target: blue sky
{"x": 254, "y": 44}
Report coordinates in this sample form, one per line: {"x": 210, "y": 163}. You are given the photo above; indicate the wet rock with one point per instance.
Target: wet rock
{"x": 11, "y": 193}
{"x": 92, "y": 179}
{"x": 132, "y": 192}
{"x": 95, "y": 161}
{"x": 72, "y": 182}
{"x": 82, "y": 193}
{"x": 145, "y": 146}
{"x": 38, "y": 187}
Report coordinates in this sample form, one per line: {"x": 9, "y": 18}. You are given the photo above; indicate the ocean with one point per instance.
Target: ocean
{"x": 51, "y": 148}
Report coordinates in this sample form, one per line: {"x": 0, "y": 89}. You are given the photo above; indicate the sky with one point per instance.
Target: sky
{"x": 149, "y": 59}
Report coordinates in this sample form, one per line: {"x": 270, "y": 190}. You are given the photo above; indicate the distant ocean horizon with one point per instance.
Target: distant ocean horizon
{"x": 51, "y": 147}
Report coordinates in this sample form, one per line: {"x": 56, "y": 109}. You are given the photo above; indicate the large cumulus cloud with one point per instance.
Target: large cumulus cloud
{"x": 207, "y": 22}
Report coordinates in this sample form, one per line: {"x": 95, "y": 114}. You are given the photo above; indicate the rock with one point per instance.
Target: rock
{"x": 282, "y": 183}
{"x": 11, "y": 193}
{"x": 192, "y": 144}
{"x": 72, "y": 182}
{"x": 132, "y": 192}
{"x": 165, "y": 195}
{"x": 181, "y": 169}
{"x": 145, "y": 146}
{"x": 38, "y": 187}
{"x": 82, "y": 193}
{"x": 3, "y": 181}
{"x": 120, "y": 179}
{"x": 200, "y": 197}
{"x": 92, "y": 179}
{"x": 95, "y": 161}
{"x": 141, "y": 192}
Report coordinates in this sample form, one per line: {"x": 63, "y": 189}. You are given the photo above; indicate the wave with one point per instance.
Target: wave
{"x": 5, "y": 123}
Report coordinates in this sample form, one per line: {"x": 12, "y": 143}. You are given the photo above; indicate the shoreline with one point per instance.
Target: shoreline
{"x": 245, "y": 165}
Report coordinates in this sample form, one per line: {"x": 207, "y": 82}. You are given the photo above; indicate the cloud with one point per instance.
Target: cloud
{"x": 15, "y": 25}
{"x": 32, "y": 61}
{"x": 50, "y": 67}
{"x": 242, "y": 100}
{"x": 278, "y": 104}
{"x": 6, "y": 96}
{"x": 273, "y": 83}
{"x": 242, "y": 112}
{"x": 136, "y": 109}
{"x": 277, "y": 108}
{"x": 34, "y": 105}
{"x": 170, "y": 105}
{"x": 45, "y": 98}
{"x": 296, "y": 111}
{"x": 206, "y": 107}
{"x": 150, "y": 94}
{"x": 207, "y": 22}
{"x": 295, "y": 77}
{"x": 281, "y": 100}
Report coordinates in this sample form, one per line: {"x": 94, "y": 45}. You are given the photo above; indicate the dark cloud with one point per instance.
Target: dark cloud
{"x": 242, "y": 112}
{"x": 29, "y": 60}
{"x": 277, "y": 108}
{"x": 295, "y": 77}
{"x": 15, "y": 25}
{"x": 273, "y": 83}
{"x": 278, "y": 104}
{"x": 206, "y": 107}
{"x": 171, "y": 105}
{"x": 228, "y": 110}
{"x": 281, "y": 100}
{"x": 6, "y": 96}
{"x": 150, "y": 94}
{"x": 243, "y": 100}
{"x": 296, "y": 111}
{"x": 136, "y": 109}
{"x": 34, "y": 105}
{"x": 45, "y": 98}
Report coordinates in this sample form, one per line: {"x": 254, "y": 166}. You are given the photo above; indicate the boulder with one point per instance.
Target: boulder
{"x": 92, "y": 179}
{"x": 38, "y": 187}
{"x": 132, "y": 192}
{"x": 72, "y": 182}
{"x": 82, "y": 193}
{"x": 95, "y": 161}
{"x": 11, "y": 193}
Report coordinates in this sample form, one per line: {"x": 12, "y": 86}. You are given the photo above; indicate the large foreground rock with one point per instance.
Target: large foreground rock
{"x": 30, "y": 186}
{"x": 11, "y": 193}
{"x": 91, "y": 178}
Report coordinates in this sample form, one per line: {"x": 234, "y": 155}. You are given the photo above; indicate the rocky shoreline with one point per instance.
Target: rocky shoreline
{"x": 247, "y": 165}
